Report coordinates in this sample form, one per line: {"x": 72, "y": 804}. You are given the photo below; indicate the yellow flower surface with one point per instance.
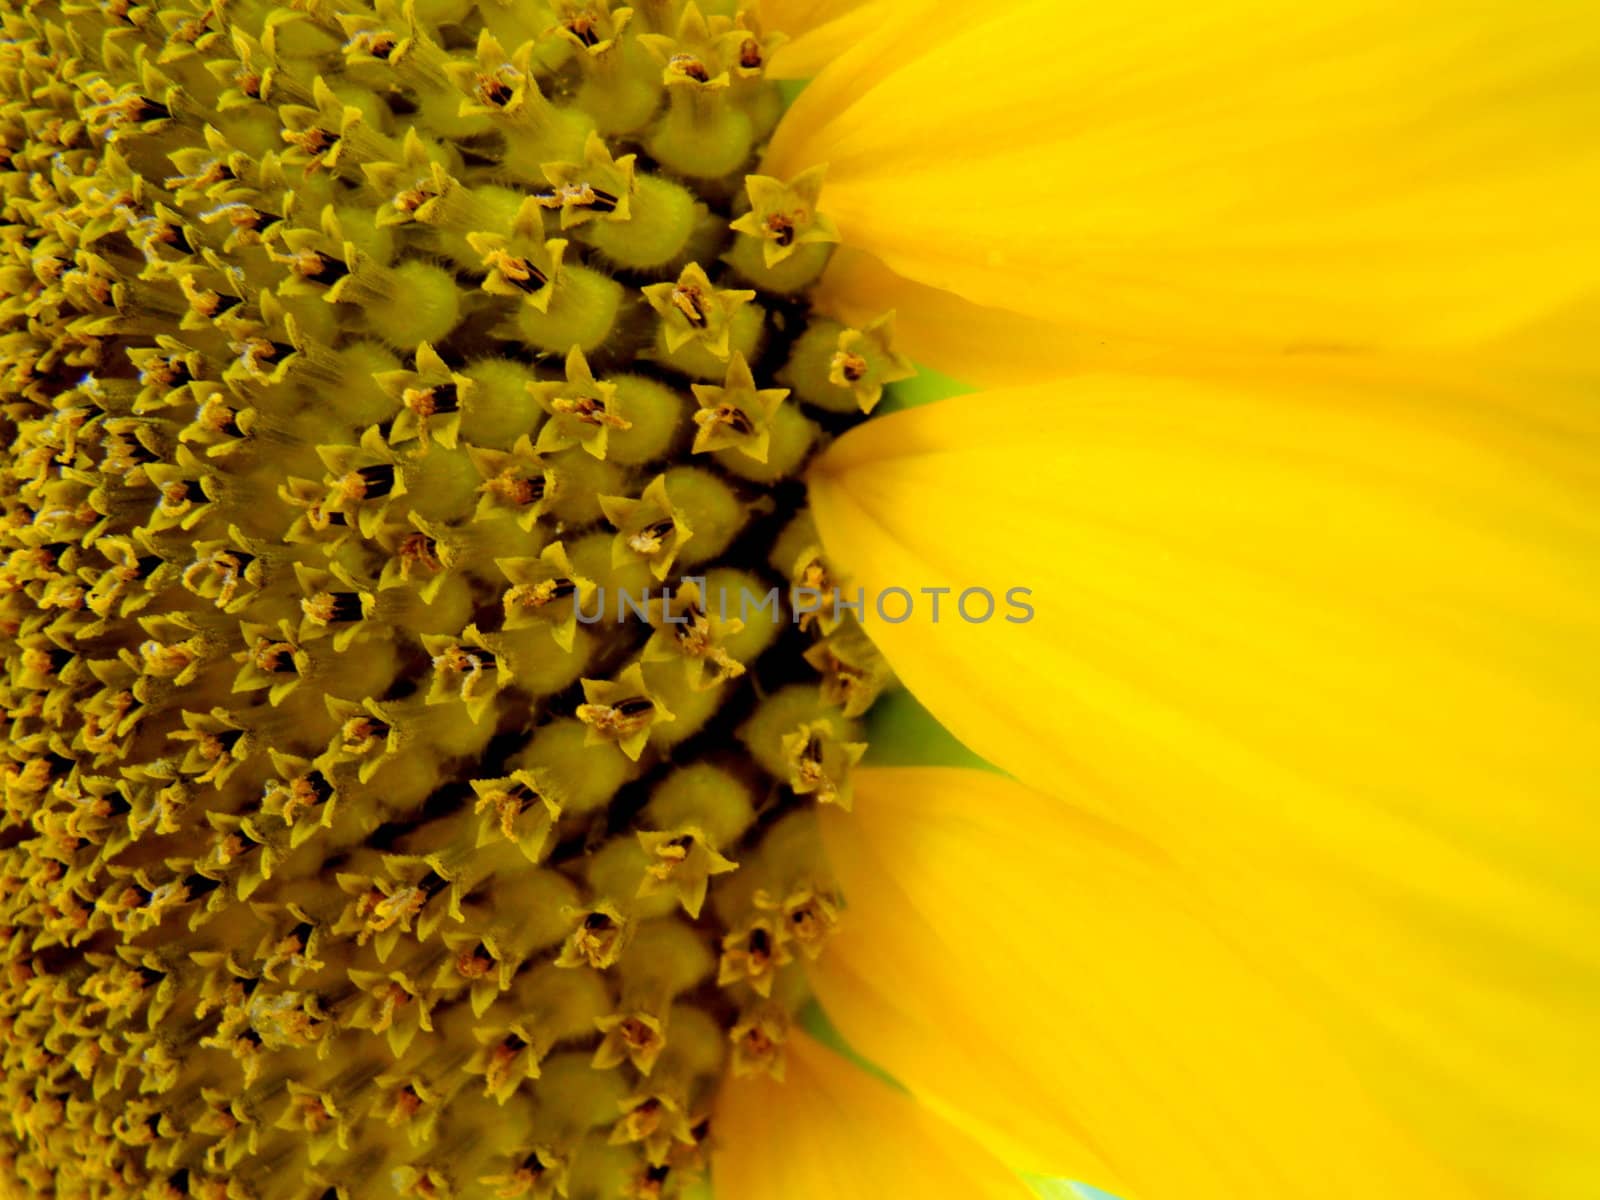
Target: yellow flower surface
{"x": 460, "y": 513}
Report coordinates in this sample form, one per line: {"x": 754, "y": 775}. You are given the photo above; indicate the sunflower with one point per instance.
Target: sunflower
{"x": 397, "y": 804}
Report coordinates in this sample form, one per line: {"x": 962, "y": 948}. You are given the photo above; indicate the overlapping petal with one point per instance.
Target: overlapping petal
{"x": 831, "y": 1131}
{"x": 1243, "y": 174}
{"x": 1099, "y": 1023}
{"x": 1330, "y": 645}
{"x": 818, "y": 32}
{"x": 981, "y": 346}
{"x": 891, "y": 33}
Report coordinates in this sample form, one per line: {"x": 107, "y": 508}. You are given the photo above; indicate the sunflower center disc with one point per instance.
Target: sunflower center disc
{"x": 412, "y": 745}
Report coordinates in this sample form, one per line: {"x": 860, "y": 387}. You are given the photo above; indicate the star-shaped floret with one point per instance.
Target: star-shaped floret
{"x": 820, "y": 762}
{"x": 523, "y": 263}
{"x": 539, "y": 1174}
{"x": 546, "y": 590}
{"x": 302, "y": 797}
{"x": 416, "y": 182}
{"x": 784, "y": 216}
{"x": 363, "y": 481}
{"x": 853, "y": 671}
{"x": 334, "y": 603}
{"x": 621, "y": 710}
{"x": 736, "y": 415}
{"x": 218, "y": 745}
{"x": 657, "y": 1120}
{"x": 808, "y": 915}
{"x": 649, "y": 529}
{"x": 598, "y": 938}
{"x": 331, "y": 135}
{"x": 866, "y": 361}
{"x": 682, "y": 861}
{"x": 520, "y": 808}
{"x": 430, "y": 396}
{"x": 686, "y": 631}
{"x": 509, "y": 1055}
{"x": 599, "y": 188}
{"x": 700, "y": 55}
{"x": 392, "y": 1004}
{"x": 516, "y": 483}
{"x": 371, "y": 734}
{"x": 465, "y": 669}
{"x": 590, "y": 27}
{"x": 582, "y": 409}
{"x": 635, "y": 1037}
{"x": 274, "y": 658}
{"x": 498, "y": 82}
{"x": 422, "y": 555}
{"x": 758, "y": 1040}
{"x": 753, "y": 952}
{"x": 694, "y": 310}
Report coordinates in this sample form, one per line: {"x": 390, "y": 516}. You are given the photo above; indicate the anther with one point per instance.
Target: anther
{"x": 518, "y": 489}
{"x": 516, "y": 269}
{"x": 430, "y": 401}
{"x": 691, "y": 303}
{"x": 852, "y": 367}
{"x": 313, "y": 139}
{"x": 578, "y": 195}
{"x": 331, "y": 608}
{"x": 781, "y": 227}
{"x": 418, "y": 550}
{"x": 275, "y": 658}
{"x": 690, "y": 67}
{"x": 649, "y": 540}
{"x": 376, "y": 43}
{"x": 318, "y": 267}
{"x": 370, "y": 483}
{"x": 498, "y": 89}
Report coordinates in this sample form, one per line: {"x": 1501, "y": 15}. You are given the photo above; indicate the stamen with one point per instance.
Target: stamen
{"x": 689, "y": 67}
{"x": 691, "y": 303}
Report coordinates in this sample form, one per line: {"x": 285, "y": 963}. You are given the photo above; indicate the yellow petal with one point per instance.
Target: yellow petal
{"x": 818, "y": 31}
{"x": 796, "y": 17}
{"x": 1558, "y": 354}
{"x": 1200, "y": 552}
{"x": 1053, "y": 981}
{"x": 1330, "y": 645}
{"x": 980, "y": 346}
{"x": 900, "y": 32}
{"x": 1349, "y": 174}
{"x": 831, "y": 1131}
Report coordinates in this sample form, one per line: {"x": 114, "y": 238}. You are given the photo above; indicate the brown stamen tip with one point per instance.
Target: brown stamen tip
{"x": 362, "y": 733}
{"x": 275, "y": 658}
{"x": 379, "y": 44}
{"x": 517, "y": 489}
{"x": 495, "y": 90}
{"x": 690, "y": 301}
{"x": 419, "y": 551}
{"x": 516, "y": 270}
{"x": 314, "y": 141}
{"x": 850, "y": 366}
{"x": 780, "y": 227}
{"x": 728, "y": 415}
{"x": 690, "y": 67}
